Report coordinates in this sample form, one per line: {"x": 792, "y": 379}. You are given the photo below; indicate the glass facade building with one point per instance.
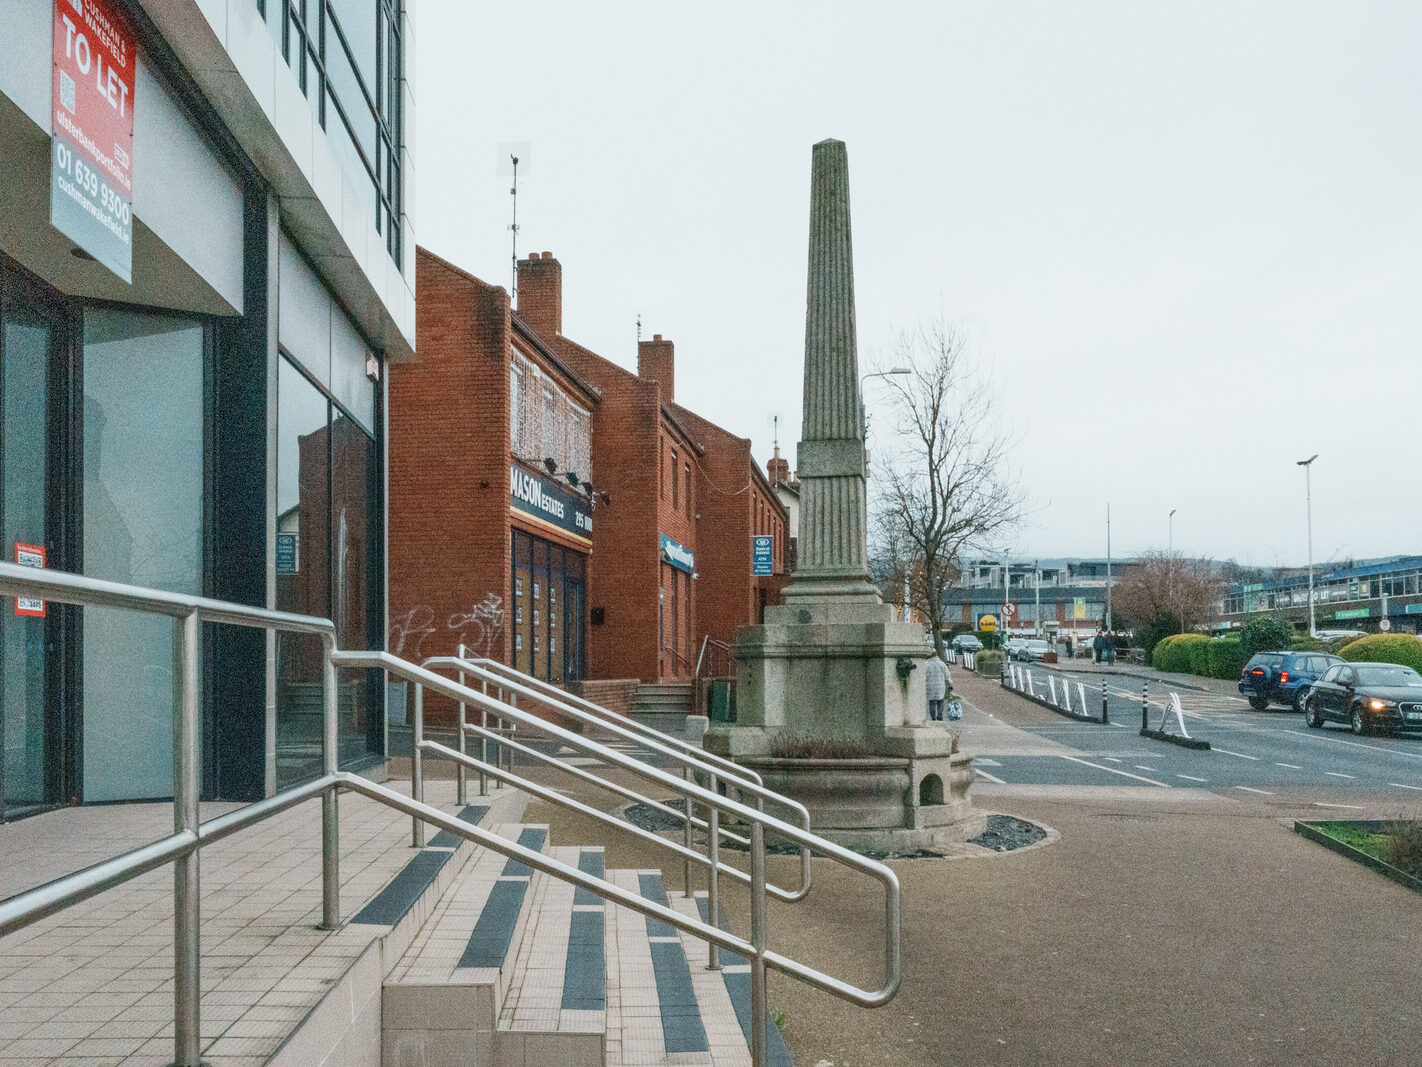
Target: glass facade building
{"x": 214, "y": 424}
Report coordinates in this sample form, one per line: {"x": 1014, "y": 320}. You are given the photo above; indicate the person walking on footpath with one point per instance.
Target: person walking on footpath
{"x": 935, "y": 683}
{"x": 1098, "y": 646}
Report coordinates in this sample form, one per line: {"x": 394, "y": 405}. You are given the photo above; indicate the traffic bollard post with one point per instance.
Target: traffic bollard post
{"x": 1145, "y": 705}
{"x": 1105, "y": 716}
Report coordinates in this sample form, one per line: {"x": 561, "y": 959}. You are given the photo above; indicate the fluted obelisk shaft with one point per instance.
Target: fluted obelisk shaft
{"x": 832, "y": 557}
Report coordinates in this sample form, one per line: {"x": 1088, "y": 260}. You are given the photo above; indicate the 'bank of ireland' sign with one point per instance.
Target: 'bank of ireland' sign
{"x": 548, "y": 503}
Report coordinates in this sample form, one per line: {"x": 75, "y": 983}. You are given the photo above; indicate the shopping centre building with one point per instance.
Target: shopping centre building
{"x": 206, "y": 267}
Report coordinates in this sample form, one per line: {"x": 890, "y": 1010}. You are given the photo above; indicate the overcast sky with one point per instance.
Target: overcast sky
{"x": 1186, "y": 239}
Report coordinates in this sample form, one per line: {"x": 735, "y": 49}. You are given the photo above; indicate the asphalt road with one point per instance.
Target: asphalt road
{"x": 1270, "y": 753}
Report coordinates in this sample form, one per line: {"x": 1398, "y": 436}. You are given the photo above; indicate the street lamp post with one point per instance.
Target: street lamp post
{"x": 863, "y": 416}
{"x": 1307, "y": 465}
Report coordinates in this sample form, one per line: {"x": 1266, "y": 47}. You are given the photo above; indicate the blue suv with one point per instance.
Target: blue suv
{"x": 1282, "y": 677}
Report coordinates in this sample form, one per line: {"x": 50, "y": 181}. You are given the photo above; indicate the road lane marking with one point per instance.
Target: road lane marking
{"x": 1339, "y": 774}
{"x": 1249, "y": 789}
{"x": 1112, "y": 770}
{"x": 1191, "y": 778}
{"x": 1292, "y": 766}
{"x": 1321, "y": 804}
{"x": 1329, "y": 738}
{"x": 1401, "y": 785}
{"x": 1143, "y": 767}
{"x": 1241, "y": 755}
{"x": 983, "y": 761}
{"x": 1113, "y": 759}
{"x": 990, "y": 777}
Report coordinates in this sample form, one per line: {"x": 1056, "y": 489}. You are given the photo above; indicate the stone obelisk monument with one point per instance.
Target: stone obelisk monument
{"x": 830, "y": 703}
{"x": 833, "y": 558}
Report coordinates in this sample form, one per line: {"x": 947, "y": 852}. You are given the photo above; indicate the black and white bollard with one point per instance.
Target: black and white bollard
{"x": 1105, "y": 716}
{"x": 1145, "y": 705}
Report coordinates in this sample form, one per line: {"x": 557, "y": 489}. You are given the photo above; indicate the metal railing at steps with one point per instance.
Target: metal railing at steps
{"x": 720, "y": 654}
{"x": 691, "y": 760}
{"x": 182, "y": 848}
{"x": 717, "y": 770}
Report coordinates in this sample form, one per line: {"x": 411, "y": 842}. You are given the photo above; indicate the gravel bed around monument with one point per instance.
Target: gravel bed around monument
{"x": 1003, "y": 834}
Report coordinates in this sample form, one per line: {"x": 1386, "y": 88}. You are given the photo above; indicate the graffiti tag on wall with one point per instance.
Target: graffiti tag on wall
{"x": 476, "y": 629}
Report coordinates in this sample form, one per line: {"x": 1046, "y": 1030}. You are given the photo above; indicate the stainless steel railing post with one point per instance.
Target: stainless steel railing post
{"x": 713, "y": 859}
{"x": 461, "y": 796}
{"x": 417, "y": 768}
{"x": 187, "y": 915}
{"x": 686, "y": 835}
{"x": 759, "y": 1011}
{"x": 330, "y": 800}
{"x": 484, "y": 745}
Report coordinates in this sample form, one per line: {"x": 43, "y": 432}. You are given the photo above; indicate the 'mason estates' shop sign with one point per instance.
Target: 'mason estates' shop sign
{"x": 91, "y": 170}
{"x": 548, "y": 504}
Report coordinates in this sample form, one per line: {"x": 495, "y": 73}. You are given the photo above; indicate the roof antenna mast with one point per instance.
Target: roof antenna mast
{"x": 513, "y": 226}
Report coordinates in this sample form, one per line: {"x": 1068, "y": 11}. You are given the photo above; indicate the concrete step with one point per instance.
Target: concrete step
{"x": 442, "y": 998}
{"x": 388, "y": 919}
{"x": 556, "y": 1008}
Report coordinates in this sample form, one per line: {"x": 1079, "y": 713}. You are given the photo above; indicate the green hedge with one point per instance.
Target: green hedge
{"x": 1219, "y": 657}
{"x": 1385, "y": 648}
{"x": 989, "y": 663}
{"x": 1173, "y": 653}
{"x": 1225, "y": 658}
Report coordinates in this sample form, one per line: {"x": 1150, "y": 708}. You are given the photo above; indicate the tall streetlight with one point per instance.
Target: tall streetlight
{"x": 1307, "y": 465}
{"x": 863, "y": 416}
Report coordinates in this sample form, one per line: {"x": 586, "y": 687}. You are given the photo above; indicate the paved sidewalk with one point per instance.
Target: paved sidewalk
{"x": 1221, "y": 686}
{"x": 1164, "y": 927}
{"x": 93, "y": 985}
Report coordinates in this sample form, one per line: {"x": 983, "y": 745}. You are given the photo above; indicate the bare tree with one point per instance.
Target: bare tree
{"x": 1166, "y": 592}
{"x": 944, "y": 483}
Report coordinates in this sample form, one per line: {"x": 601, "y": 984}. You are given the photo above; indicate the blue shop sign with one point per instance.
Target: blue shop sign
{"x": 678, "y": 555}
{"x": 762, "y": 548}
{"x": 549, "y": 504}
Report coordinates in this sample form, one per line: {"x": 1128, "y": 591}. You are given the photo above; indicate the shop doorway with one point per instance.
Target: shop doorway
{"x": 32, "y": 343}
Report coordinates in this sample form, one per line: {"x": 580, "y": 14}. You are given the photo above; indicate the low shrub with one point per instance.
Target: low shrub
{"x": 1173, "y": 653}
{"x": 1385, "y": 648}
{"x": 989, "y": 663}
{"x": 1404, "y": 846}
{"x": 1224, "y": 658}
{"x": 1198, "y": 654}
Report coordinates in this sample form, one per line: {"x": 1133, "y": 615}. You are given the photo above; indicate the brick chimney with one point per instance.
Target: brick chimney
{"x": 656, "y": 362}
{"x": 778, "y": 470}
{"x": 540, "y": 293}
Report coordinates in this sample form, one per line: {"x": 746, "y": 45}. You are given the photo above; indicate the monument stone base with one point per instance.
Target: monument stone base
{"x": 831, "y": 710}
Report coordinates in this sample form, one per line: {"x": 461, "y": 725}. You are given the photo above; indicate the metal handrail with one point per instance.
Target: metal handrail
{"x": 181, "y": 849}
{"x": 693, "y": 761}
{"x": 727, "y": 767}
{"x": 570, "y": 703}
{"x": 578, "y": 742}
{"x": 759, "y": 821}
{"x": 183, "y": 846}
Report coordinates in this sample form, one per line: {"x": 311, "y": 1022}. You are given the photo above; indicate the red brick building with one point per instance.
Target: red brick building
{"x": 491, "y": 513}
{"x": 673, "y": 549}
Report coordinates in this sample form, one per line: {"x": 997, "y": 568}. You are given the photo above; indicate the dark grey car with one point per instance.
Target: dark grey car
{"x": 1367, "y": 696}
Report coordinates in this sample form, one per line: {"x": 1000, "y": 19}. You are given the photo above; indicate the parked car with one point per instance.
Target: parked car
{"x": 965, "y": 643}
{"x": 1367, "y": 696}
{"x": 1282, "y": 677}
{"x": 1012, "y": 644}
{"x": 1032, "y": 651}
{"x": 1336, "y": 635}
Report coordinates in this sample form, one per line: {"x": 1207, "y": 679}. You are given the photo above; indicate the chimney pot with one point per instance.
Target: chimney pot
{"x": 547, "y": 255}
{"x": 656, "y": 337}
